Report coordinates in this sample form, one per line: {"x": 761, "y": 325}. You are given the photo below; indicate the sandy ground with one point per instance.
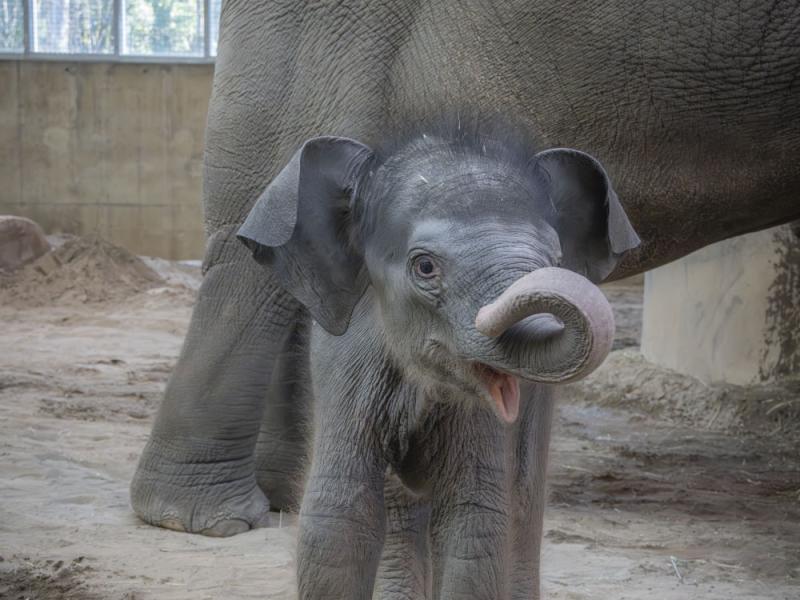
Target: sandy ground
{"x": 643, "y": 504}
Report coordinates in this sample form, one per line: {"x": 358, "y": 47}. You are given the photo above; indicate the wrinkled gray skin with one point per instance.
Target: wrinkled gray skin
{"x": 690, "y": 106}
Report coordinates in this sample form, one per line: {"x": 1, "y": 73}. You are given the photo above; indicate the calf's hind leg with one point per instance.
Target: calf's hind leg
{"x": 405, "y": 571}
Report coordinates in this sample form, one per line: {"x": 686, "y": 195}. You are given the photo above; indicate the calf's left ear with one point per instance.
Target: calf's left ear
{"x": 593, "y": 228}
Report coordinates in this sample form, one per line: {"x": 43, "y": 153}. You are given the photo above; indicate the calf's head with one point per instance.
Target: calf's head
{"x": 483, "y": 258}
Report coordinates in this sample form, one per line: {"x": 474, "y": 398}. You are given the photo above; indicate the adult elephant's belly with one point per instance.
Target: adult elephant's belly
{"x": 700, "y": 133}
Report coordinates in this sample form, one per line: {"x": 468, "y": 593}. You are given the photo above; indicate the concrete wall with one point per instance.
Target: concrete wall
{"x": 111, "y": 148}
{"x": 729, "y": 312}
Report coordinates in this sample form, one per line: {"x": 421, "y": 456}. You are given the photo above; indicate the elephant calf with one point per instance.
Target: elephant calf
{"x": 450, "y": 283}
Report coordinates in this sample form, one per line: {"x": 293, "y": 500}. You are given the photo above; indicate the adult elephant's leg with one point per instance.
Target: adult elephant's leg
{"x": 197, "y": 471}
{"x": 282, "y": 448}
{"x": 404, "y": 571}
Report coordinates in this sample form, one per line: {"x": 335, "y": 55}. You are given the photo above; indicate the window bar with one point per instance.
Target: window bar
{"x": 207, "y": 28}
{"x": 28, "y": 34}
{"x": 116, "y": 28}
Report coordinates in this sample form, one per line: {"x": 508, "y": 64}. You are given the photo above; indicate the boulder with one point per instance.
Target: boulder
{"x": 21, "y": 241}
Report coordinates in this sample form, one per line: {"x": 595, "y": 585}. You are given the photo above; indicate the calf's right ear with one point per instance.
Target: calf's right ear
{"x": 300, "y": 227}
{"x": 592, "y": 225}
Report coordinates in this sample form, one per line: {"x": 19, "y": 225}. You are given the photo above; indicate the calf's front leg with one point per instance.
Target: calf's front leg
{"x": 488, "y": 502}
{"x": 341, "y": 524}
{"x": 471, "y": 516}
{"x": 342, "y": 515}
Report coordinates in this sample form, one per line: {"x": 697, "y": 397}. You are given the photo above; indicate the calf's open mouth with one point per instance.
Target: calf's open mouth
{"x": 504, "y": 390}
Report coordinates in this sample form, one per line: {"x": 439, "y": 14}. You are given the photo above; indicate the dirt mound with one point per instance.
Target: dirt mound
{"x": 627, "y": 380}
{"x": 83, "y": 269}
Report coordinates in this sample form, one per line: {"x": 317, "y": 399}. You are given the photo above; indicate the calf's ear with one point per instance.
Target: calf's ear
{"x": 592, "y": 225}
{"x": 300, "y": 228}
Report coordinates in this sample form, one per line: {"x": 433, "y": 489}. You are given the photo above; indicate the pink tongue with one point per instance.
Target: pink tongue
{"x": 505, "y": 392}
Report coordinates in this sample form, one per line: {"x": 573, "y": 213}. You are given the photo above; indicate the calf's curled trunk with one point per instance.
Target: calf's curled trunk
{"x": 578, "y": 343}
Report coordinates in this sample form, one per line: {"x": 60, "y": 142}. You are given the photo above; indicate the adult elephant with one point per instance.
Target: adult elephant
{"x": 692, "y": 109}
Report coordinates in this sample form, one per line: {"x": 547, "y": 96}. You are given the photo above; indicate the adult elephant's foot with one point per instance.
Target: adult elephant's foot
{"x": 197, "y": 472}
{"x": 198, "y": 486}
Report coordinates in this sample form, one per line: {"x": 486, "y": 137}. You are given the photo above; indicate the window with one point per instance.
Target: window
{"x": 163, "y": 27}
{"x": 12, "y": 37}
{"x": 73, "y": 26}
{"x": 216, "y": 5}
{"x": 116, "y": 29}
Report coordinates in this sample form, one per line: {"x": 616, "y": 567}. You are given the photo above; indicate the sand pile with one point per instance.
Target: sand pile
{"x": 627, "y": 380}
{"x": 83, "y": 269}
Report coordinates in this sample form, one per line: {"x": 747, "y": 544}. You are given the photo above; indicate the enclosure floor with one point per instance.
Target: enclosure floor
{"x": 639, "y": 508}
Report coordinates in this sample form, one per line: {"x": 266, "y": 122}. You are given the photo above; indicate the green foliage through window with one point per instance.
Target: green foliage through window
{"x": 73, "y": 26}
{"x": 214, "y": 8}
{"x": 145, "y": 27}
{"x": 164, "y": 27}
{"x": 11, "y": 26}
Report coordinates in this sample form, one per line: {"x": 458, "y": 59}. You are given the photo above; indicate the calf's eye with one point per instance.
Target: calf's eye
{"x": 425, "y": 267}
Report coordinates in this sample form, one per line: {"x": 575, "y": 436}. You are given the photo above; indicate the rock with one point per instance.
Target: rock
{"x": 47, "y": 264}
{"x": 21, "y": 241}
